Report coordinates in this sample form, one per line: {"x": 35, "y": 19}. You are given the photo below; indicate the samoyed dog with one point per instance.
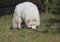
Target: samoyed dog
{"x": 27, "y": 12}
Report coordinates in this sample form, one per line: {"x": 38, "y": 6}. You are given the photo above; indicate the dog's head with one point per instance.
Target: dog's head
{"x": 31, "y": 23}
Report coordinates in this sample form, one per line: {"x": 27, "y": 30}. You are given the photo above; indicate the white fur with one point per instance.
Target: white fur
{"x": 24, "y": 12}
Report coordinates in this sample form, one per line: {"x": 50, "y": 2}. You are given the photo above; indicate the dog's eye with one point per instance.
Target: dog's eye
{"x": 28, "y": 21}
{"x": 34, "y": 20}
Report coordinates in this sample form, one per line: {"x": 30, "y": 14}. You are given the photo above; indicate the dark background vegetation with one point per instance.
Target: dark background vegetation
{"x": 49, "y": 6}
{"x": 7, "y": 6}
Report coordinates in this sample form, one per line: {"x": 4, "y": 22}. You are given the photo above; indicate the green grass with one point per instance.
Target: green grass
{"x": 48, "y": 22}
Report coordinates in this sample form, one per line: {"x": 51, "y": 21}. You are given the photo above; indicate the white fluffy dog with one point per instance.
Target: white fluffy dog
{"x": 27, "y": 12}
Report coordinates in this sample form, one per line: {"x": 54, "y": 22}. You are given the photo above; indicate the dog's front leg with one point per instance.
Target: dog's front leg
{"x": 19, "y": 25}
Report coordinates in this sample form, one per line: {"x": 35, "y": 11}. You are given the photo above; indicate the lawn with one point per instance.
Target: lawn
{"x": 48, "y": 31}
